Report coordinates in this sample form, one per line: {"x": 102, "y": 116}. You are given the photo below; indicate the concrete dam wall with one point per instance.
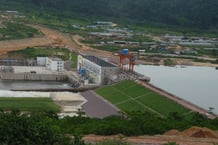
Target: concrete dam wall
{"x": 33, "y": 77}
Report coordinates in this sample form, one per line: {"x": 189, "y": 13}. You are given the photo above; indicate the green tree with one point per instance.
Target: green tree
{"x": 78, "y": 140}
{"x": 26, "y": 129}
{"x": 171, "y": 143}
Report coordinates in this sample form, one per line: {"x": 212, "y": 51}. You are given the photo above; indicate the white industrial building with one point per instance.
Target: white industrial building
{"x": 53, "y": 64}
{"x": 95, "y": 70}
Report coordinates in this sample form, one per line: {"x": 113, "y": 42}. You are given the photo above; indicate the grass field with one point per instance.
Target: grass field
{"x": 129, "y": 96}
{"x": 31, "y": 52}
{"x": 28, "y": 104}
{"x": 74, "y": 60}
{"x": 17, "y": 31}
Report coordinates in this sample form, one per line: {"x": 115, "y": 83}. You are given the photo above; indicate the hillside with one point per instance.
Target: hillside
{"x": 192, "y": 13}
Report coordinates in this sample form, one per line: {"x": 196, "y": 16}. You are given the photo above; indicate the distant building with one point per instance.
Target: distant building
{"x": 95, "y": 70}
{"x": 141, "y": 52}
{"x": 92, "y": 27}
{"x": 54, "y": 64}
{"x": 11, "y": 12}
{"x": 196, "y": 43}
{"x": 105, "y": 23}
{"x": 76, "y": 26}
{"x": 105, "y": 34}
{"x": 210, "y": 48}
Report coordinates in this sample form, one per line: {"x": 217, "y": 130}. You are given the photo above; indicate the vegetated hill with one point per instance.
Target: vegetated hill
{"x": 191, "y": 13}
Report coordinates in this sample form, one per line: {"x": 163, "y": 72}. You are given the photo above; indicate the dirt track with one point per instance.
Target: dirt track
{"x": 6, "y": 46}
{"x": 191, "y": 136}
{"x": 51, "y": 38}
{"x": 70, "y": 41}
{"x": 155, "y": 140}
{"x": 10, "y": 45}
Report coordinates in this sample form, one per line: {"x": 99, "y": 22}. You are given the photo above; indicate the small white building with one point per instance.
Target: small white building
{"x": 54, "y": 64}
{"x": 41, "y": 61}
{"x": 105, "y": 23}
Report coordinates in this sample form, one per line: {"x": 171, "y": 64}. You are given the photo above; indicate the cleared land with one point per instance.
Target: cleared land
{"x": 129, "y": 96}
{"x": 11, "y": 31}
{"x": 52, "y": 38}
{"x": 28, "y": 104}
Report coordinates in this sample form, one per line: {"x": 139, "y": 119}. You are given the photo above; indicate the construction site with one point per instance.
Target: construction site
{"x": 125, "y": 64}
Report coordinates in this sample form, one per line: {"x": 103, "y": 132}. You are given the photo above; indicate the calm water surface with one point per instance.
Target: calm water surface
{"x": 198, "y": 85}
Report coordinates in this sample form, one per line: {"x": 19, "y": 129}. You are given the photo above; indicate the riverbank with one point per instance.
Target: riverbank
{"x": 193, "y": 63}
{"x": 179, "y": 61}
{"x": 180, "y": 101}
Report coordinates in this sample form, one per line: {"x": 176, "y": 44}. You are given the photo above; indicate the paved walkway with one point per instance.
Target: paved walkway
{"x": 97, "y": 106}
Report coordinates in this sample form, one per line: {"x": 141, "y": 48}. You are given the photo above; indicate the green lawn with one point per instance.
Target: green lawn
{"x": 74, "y": 60}
{"x": 115, "y": 96}
{"x": 161, "y": 104}
{"x": 131, "y": 106}
{"x": 129, "y": 96}
{"x": 28, "y": 104}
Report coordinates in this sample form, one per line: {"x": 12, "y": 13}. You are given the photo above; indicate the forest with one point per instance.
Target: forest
{"x": 47, "y": 128}
{"x": 202, "y": 14}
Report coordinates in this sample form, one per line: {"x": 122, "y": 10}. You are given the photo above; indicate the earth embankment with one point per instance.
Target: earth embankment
{"x": 190, "y": 136}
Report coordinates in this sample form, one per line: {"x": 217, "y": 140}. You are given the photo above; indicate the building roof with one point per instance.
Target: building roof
{"x": 56, "y": 59}
{"x": 99, "y": 61}
{"x": 52, "y": 58}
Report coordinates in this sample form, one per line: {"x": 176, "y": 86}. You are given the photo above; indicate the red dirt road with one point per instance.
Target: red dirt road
{"x": 51, "y": 38}
{"x": 154, "y": 140}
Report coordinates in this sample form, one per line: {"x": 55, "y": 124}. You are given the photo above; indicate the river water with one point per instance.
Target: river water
{"x": 198, "y": 85}
{"x": 6, "y": 86}
{"x": 28, "y": 85}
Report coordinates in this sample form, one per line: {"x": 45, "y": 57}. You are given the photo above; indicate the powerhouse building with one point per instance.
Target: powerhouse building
{"x": 95, "y": 70}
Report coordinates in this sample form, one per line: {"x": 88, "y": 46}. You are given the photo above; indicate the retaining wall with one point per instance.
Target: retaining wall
{"x": 75, "y": 83}
{"x": 33, "y": 77}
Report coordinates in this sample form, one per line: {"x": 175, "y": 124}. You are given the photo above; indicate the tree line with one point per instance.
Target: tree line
{"x": 193, "y": 13}
{"x": 47, "y": 128}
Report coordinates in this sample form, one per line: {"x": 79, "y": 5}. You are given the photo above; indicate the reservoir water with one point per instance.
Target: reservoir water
{"x": 198, "y": 85}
